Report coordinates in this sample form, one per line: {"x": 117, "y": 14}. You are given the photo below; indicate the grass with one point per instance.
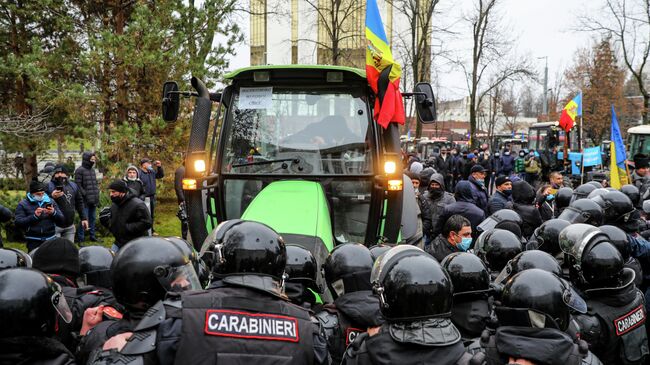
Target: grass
{"x": 166, "y": 224}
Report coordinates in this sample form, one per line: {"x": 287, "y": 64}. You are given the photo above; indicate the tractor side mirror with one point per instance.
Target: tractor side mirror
{"x": 170, "y": 101}
{"x": 425, "y": 103}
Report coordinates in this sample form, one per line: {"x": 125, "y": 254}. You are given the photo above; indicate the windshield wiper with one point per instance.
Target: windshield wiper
{"x": 266, "y": 162}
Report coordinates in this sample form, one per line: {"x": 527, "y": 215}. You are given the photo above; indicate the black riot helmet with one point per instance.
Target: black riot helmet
{"x": 10, "y": 259}
{"x": 199, "y": 266}
{"x": 95, "y": 266}
{"x": 596, "y": 184}
{"x": 633, "y": 193}
{"x": 582, "y": 191}
{"x": 29, "y": 304}
{"x": 539, "y": 299}
{"x": 618, "y": 238}
{"x": 501, "y": 218}
{"x": 563, "y": 197}
{"x": 548, "y": 235}
{"x": 616, "y": 205}
{"x": 411, "y": 285}
{"x": 597, "y": 192}
{"x": 468, "y": 273}
{"x": 497, "y": 247}
{"x": 583, "y": 211}
{"x": 301, "y": 266}
{"x": 593, "y": 261}
{"x": 532, "y": 259}
{"x": 379, "y": 249}
{"x": 147, "y": 268}
{"x": 248, "y": 248}
{"x": 347, "y": 269}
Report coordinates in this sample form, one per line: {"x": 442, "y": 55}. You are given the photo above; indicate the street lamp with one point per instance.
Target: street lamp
{"x": 545, "y": 105}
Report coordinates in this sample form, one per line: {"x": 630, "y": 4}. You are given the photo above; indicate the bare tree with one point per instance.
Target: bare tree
{"x": 415, "y": 43}
{"x": 490, "y": 56}
{"x": 628, "y": 24}
{"x": 25, "y": 126}
{"x": 341, "y": 23}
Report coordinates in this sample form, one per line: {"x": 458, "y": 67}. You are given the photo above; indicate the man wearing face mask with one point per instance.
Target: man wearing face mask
{"x": 149, "y": 173}
{"x": 128, "y": 217}
{"x": 69, "y": 198}
{"x": 436, "y": 198}
{"x": 502, "y": 197}
{"x": 86, "y": 179}
{"x": 506, "y": 164}
{"x": 456, "y": 236}
{"x": 479, "y": 190}
{"x": 37, "y": 215}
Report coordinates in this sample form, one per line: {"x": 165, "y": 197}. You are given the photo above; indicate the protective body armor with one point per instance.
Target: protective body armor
{"x": 622, "y": 338}
{"x": 236, "y": 325}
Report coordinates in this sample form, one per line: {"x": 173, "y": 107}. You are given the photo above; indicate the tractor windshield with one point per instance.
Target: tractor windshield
{"x": 298, "y": 132}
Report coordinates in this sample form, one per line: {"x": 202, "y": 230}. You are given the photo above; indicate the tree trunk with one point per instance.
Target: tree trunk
{"x": 645, "y": 113}
{"x": 120, "y": 69}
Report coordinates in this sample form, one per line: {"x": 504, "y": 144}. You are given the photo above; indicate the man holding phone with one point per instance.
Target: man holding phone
{"x": 69, "y": 198}
{"x": 38, "y": 216}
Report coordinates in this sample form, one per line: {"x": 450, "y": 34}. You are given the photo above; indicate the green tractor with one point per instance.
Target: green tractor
{"x": 296, "y": 147}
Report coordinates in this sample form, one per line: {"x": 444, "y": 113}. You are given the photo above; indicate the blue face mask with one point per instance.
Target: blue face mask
{"x": 480, "y": 182}
{"x": 550, "y": 197}
{"x": 38, "y": 198}
{"x": 464, "y": 244}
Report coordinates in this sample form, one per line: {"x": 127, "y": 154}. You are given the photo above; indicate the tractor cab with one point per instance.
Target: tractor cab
{"x": 296, "y": 147}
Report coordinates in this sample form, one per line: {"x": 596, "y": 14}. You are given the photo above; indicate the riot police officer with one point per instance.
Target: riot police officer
{"x": 506, "y": 219}
{"x": 582, "y": 191}
{"x": 531, "y": 259}
{"x": 620, "y": 240}
{"x": 10, "y": 258}
{"x": 562, "y": 200}
{"x": 618, "y": 207}
{"x": 355, "y": 309}
{"x": 142, "y": 273}
{"x": 496, "y": 248}
{"x": 31, "y": 305}
{"x": 633, "y": 193}
{"x": 301, "y": 284}
{"x": 614, "y": 325}
{"x": 378, "y": 249}
{"x": 95, "y": 266}
{"x": 415, "y": 295}
{"x": 583, "y": 211}
{"x": 472, "y": 309}
{"x": 546, "y": 237}
{"x": 533, "y": 315}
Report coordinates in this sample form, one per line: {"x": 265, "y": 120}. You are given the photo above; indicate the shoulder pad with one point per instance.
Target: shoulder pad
{"x": 327, "y": 319}
{"x": 140, "y": 343}
{"x": 152, "y": 317}
{"x": 589, "y": 328}
{"x": 113, "y": 357}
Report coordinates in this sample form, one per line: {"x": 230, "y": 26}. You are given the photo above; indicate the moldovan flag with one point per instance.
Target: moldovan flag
{"x": 382, "y": 71}
{"x": 617, "y": 172}
{"x": 570, "y": 111}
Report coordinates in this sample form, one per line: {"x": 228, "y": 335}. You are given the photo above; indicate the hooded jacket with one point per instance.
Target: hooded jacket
{"x": 523, "y": 196}
{"x": 436, "y": 205}
{"x": 86, "y": 178}
{"x": 479, "y": 193}
{"x": 464, "y": 206}
{"x": 37, "y": 228}
{"x": 129, "y": 219}
{"x": 136, "y": 186}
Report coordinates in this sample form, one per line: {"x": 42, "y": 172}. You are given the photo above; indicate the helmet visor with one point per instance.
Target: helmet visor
{"x": 60, "y": 304}
{"x": 572, "y": 299}
{"x": 504, "y": 274}
{"x": 179, "y": 278}
{"x": 572, "y": 215}
{"x": 488, "y": 224}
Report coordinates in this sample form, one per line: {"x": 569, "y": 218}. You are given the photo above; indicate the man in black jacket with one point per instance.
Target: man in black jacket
{"x": 444, "y": 166}
{"x": 149, "y": 174}
{"x": 502, "y": 197}
{"x": 86, "y": 178}
{"x": 128, "y": 217}
{"x": 69, "y": 197}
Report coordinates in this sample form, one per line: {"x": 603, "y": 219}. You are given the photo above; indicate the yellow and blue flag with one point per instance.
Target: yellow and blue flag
{"x": 618, "y": 158}
{"x": 382, "y": 72}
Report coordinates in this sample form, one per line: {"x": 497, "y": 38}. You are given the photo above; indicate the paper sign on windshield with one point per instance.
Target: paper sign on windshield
{"x": 256, "y": 98}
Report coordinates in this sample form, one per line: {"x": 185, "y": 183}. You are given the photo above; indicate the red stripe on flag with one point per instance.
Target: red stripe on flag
{"x": 566, "y": 123}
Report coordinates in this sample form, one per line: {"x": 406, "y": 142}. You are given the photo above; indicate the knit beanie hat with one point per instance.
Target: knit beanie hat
{"x": 119, "y": 186}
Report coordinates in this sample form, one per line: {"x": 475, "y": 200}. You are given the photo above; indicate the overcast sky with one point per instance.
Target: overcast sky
{"x": 543, "y": 28}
